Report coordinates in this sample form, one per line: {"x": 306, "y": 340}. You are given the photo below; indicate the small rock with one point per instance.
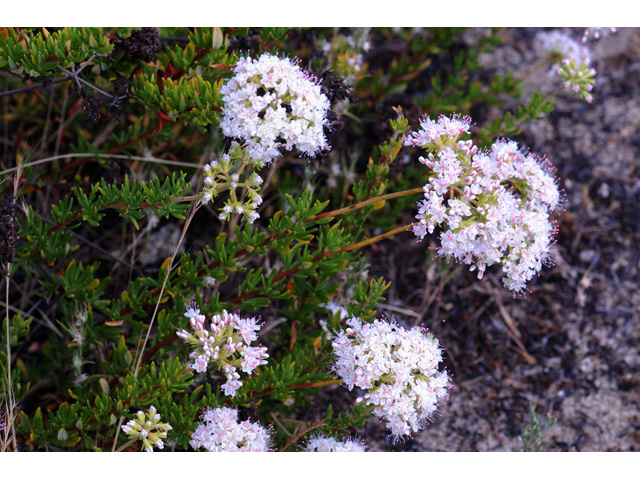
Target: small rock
{"x": 603, "y": 191}
{"x": 587, "y": 255}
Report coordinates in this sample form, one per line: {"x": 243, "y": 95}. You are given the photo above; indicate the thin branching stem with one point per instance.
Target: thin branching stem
{"x": 126, "y": 445}
{"x": 28, "y": 88}
{"x": 9, "y": 420}
{"x": 79, "y": 80}
{"x": 68, "y": 76}
{"x": 102, "y": 155}
{"x": 320, "y": 256}
{"x": 365, "y": 203}
{"x": 268, "y": 390}
{"x": 139, "y": 354}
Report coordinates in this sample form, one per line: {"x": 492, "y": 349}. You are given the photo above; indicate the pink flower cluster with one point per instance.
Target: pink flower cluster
{"x": 397, "y": 367}
{"x": 493, "y": 206}
{"x": 226, "y": 343}
{"x": 221, "y": 432}
{"x": 438, "y": 131}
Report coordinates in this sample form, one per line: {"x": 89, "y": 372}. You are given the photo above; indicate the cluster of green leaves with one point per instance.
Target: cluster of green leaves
{"x": 50, "y": 239}
{"x": 90, "y": 421}
{"x": 39, "y": 53}
{"x": 511, "y": 124}
{"x": 459, "y": 87}
{"x": 185, "y": 82}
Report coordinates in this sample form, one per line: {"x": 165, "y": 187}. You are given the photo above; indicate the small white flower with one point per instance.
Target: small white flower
{"x": 560, "y": 44}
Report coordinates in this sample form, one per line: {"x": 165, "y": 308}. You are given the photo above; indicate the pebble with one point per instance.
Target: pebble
{"x": 587, "y": 255}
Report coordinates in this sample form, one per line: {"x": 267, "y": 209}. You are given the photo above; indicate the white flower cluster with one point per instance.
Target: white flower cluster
{"x": 147, "y": 427}
{"x": 320, "y": 443}
{"x": 271, "y": 103}
{"x": 493, "y": 206}
{"x": 221, "y": 432}
{"x": 398, "y": 367}
{"x": 561, "y": 45}
{"x": 226, "y": 343}
{"x": 597, "y": 32}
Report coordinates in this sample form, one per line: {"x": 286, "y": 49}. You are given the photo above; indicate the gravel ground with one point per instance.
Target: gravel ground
{"x": 570, "y": 346}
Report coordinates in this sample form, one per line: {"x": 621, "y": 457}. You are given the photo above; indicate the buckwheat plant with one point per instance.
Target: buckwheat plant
{"x": 321, "y": 443}
{"x": 272, "y": 104}
{"x": 397, "y": 367}
{"x": 264, "y": 230}
{"x": 225, "y": 343}
{"x": 148, "y": 428}
{"x": 493, "y": 206}
{"x": 221, "y": 432}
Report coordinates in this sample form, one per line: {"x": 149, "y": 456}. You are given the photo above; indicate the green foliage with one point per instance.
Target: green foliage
{"x": 510, "y": 124}
{"x": 533, "y": 433}
{"x": 38, "y": 53}
{"x": 459, "y": 89}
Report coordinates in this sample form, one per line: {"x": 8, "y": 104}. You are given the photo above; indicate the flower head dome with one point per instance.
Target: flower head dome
{"x": 397, "y": 367}
{"x": 272, "y": 104}
{"x": 222, "y": 432}
{"x": 492, "y": 206}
